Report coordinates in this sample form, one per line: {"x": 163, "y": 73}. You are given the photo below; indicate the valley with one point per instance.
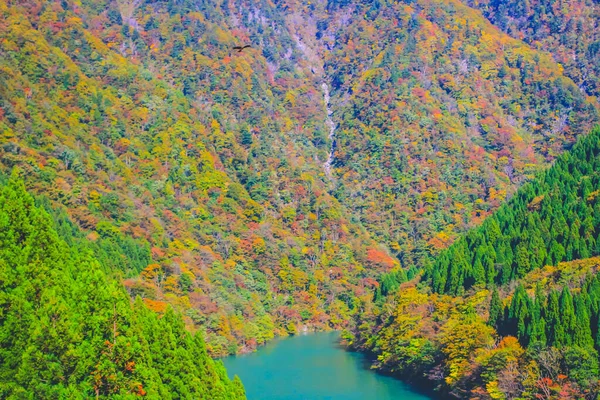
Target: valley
{"x": 398, "y": 171}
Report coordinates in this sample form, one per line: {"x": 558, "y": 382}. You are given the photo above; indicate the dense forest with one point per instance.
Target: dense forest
{"x": 554, "y": 218}
{"x": 140, "y": 122}
{"x": 378, "y": 166}
{"x": 69, "y": 330}
{"x": 441, "y": 116}
{"x": 512, "y": 308}
{"x": 243, "y": 249}
{"x": 568, "y": 30}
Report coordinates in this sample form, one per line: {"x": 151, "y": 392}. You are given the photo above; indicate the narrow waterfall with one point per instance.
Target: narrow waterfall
{"x": 331, "y": 125}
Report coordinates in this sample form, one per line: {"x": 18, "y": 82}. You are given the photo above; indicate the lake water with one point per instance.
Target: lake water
{"x": 313, "y": 367}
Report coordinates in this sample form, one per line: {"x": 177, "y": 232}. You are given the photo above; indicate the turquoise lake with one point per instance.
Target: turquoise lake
{"x": 313, "y": 367}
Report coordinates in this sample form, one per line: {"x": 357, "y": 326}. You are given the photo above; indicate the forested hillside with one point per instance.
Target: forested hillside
{"x": 230, "y": 225}
{"x": 555, "y": 218}
{"x": 570, "y": 30}
{"x": 372, "y": 165}
{"x": 510, "y": 310}
{"x": 69, "y": 330}
{"x": 197, "y": 171}
{"x": 441, "y": 116}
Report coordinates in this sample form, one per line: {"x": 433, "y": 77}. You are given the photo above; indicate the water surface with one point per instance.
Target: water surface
{"x": 313, "y": 367}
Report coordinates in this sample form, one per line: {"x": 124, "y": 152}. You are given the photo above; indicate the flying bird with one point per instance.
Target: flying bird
{"x": 240, "y": 48}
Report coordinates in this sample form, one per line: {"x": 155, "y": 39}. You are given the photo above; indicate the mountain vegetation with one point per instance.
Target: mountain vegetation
{"x": 68, "y": 330}
{"x": 375, "y": 165}
{"x": 552, "y": 219}
{"x": 245, "y": 255}
{"x": 570, "y": 31}
{"x": 441, "y": 116}
{"x": 157, "y": 139}
{"x": 478, "y": 324}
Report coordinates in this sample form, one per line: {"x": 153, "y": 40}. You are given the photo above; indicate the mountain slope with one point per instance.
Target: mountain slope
{"x": 130, "y": 156}
{"x": 441, "y": 116}
{"x": 536, "y": 333}
{"x": 553, "y": 219}
{"x": 69, "y": 331}
{"x": 568, "y": 30}
{"x": 198, "y": 171}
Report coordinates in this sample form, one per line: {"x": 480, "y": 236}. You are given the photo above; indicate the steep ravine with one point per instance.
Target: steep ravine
{"x": 331, "y": 125}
